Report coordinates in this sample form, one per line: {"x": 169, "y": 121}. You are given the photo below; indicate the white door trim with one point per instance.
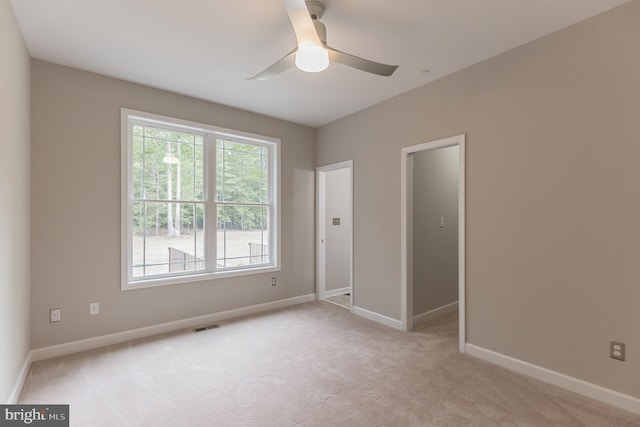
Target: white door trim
{"x": 320, "y": 226}
{"x": 406, "y": 225}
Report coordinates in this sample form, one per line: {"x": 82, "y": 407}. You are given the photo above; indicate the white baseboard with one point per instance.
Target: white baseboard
{"x": 593, "y": 391}
{"x": 335, "y": 292}
{"x": 120, "y": 337}
{"x": 22, "y": 377}
{"x": 435, "y": 313}
{"x": 379, "y": 318}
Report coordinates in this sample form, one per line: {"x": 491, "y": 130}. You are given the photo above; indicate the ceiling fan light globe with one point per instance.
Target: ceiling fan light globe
{"x": 312, "y": 58}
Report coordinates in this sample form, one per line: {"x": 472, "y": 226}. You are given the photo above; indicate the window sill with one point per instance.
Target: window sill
{"x": 129, "y": 285}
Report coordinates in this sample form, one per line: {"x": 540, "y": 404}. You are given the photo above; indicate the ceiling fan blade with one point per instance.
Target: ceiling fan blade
{"x": 360, "y": 63}
{"x": 302, "y": 23}
{"x": 281, "y": 65}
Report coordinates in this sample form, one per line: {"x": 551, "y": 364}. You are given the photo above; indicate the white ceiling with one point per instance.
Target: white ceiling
{"x": 207, "y": 48}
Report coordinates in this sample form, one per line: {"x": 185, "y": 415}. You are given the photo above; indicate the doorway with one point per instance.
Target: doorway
{"x": 334, "y": 272}
{"x": 444, "y": 300}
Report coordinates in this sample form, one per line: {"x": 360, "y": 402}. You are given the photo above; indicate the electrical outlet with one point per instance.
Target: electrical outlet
{"x": 273, "y": 281}
{"x": 54, "y": 315}
{"x": 94, "y": 308}
{"x": 616, "y": 350}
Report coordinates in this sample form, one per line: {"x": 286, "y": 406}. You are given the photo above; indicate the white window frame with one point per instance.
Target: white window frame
{"x": 211, "y": 133}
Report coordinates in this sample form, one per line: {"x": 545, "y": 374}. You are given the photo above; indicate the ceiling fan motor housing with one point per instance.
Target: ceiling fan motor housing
{"x": 316, "y": 9}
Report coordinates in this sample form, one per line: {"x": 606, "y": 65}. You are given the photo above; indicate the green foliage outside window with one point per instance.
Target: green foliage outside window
{"x": 168, "y": 182}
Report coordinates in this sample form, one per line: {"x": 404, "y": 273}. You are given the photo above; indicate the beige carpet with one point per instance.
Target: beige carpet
{"x": 310, "y": 365}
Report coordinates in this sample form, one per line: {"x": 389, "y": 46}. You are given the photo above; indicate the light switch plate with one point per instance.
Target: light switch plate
{"x": 94, "y": 308}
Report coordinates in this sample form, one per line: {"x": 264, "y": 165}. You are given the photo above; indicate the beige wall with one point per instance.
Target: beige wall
{"x": 553, "y": 234}
{"x": 435, "y": 248}
{"x": 14, "y": 202}
{"x": 76, "y": 209}
{"x": 338, "y": 237}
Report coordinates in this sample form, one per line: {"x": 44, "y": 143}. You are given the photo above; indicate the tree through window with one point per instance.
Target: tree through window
{"x": 242, "y": 200}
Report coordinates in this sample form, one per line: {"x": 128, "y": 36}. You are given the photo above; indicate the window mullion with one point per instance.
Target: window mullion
{"x": 211, "y": 220}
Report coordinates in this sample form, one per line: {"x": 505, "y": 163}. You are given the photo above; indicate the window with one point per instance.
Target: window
{"x": 198, "y": 202}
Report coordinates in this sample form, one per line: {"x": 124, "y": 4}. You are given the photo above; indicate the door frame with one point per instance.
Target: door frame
{"x": 321, "y": 266}
{"x": 406, "y": 225}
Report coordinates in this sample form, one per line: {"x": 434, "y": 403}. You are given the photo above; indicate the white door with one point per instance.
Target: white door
{"x": 335, "y": 230}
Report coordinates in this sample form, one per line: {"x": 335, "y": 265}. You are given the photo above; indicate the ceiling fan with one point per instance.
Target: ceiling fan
{"x": 312, "y": 53}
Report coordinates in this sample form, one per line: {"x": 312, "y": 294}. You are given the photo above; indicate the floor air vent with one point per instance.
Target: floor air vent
{"x": 205, "y": 328}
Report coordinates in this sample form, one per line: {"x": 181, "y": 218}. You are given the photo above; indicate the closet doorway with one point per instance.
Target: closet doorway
{"x": 440, "y": 226}
{"x": 334, "y": 233}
